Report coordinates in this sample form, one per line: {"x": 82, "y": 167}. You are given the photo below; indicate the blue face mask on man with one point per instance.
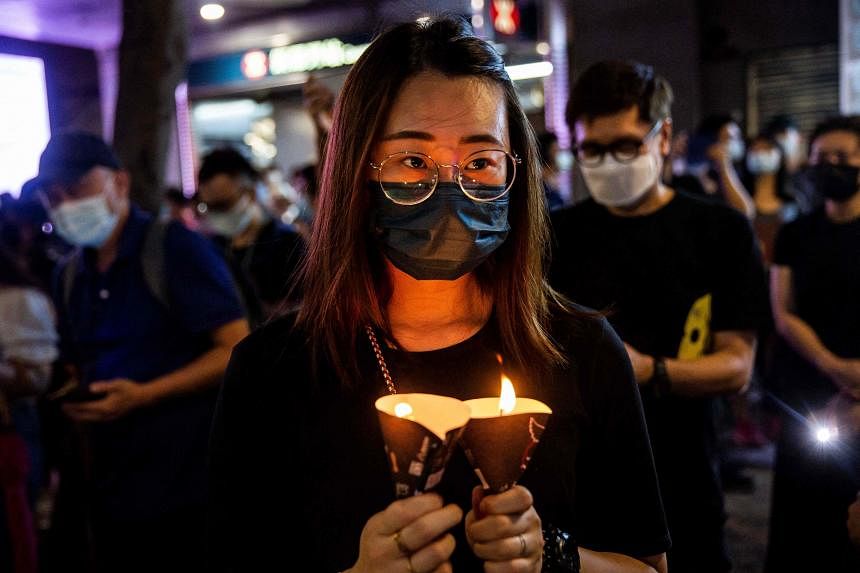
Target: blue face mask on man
{"x": 443, "y": 237}
{"x": 84, "y": 222}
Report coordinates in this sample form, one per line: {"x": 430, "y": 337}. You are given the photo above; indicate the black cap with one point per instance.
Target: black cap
{"x": 69, "y": 156}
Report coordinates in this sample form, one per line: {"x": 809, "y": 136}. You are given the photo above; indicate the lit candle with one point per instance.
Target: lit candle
{"x": 502, "y": 434}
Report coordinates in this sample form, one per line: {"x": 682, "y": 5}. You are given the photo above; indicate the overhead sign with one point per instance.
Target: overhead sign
{"x": 296, "y": 58}
{"x": 310, "y": 56}
{"x": 258, "y": 64}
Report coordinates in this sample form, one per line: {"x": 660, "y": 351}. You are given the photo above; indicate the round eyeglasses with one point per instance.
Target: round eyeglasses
{"x": 410, "y": 177}
{"x": 624, "y": 150}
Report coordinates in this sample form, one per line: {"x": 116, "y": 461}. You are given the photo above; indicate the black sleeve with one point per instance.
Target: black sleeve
{"x": 619, "y": 508}
{"x": 785, "y": 248}
{"x": 740, "y": 285}
{"x": 253, "y": 456}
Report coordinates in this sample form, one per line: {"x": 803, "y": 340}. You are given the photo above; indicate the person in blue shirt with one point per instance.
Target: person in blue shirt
{"x": 148, "y": 318}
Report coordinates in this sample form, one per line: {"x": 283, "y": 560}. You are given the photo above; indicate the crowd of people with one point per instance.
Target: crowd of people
{"x": 194, "y": 390}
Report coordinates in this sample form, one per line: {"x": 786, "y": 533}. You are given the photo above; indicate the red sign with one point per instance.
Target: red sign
{"x": 255, "y": 65}
{"x": 505, "y": 16}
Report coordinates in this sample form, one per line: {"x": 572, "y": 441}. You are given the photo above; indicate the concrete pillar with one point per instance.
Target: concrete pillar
{"x": 152, "y": 59}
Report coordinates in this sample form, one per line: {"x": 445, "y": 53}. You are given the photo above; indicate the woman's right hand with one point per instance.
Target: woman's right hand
{"x": 409, "y": 536}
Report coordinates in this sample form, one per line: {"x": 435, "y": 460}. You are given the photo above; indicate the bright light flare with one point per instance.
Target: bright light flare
{"x": 212, "y": 11}
{"x": 403, "y": 410}
{"x": 826, "y": 434}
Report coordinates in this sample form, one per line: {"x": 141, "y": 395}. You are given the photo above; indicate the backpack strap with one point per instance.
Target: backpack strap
{"x": 67, "y": 282}
{"x": 152, "y": 261}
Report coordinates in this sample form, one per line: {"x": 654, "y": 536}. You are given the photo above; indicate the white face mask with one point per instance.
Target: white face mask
{"x": 790, "y": 143}
{"x": 234, "y": 221}
{"x": 737, "y": 149}
{"x": 84, "y": 222}
{"x": 763, "y": 162}
{"x": 616, "y": 184}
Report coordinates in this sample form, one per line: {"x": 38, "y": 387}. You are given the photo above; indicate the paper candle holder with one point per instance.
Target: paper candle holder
{"x": 499, "y": 445}
{"x": 420, "y": 432}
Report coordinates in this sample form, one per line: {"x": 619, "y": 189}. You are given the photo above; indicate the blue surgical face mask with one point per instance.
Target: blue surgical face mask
{"x": 84, "y": 222}
{"x": 443, "y": 237}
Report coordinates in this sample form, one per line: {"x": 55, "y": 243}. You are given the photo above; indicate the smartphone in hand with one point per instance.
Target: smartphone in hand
{"x": 74, "y": 392}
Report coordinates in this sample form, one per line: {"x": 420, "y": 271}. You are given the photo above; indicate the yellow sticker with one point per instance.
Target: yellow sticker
{"x": 697, "y": 330}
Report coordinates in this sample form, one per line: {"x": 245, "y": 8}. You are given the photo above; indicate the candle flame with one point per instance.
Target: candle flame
{"x": 507, "y": 398}
{"x": 403, "y": 410}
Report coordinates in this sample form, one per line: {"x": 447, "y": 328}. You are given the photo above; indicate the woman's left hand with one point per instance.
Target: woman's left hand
{"x": 505, "y": 531}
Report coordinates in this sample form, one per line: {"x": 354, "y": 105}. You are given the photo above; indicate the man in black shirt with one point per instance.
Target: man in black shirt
{"x": 262, "y": 252}
{"x": 682, "y": 283}
{"x": 815, "y": 283}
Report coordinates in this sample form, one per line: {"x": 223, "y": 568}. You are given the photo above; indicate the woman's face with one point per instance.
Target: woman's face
{"x": 447, "y": 118}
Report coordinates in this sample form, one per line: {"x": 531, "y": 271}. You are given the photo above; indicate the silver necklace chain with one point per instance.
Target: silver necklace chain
{"x": 380, "y": 359}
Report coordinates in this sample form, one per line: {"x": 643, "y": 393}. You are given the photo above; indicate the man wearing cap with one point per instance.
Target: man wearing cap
{"x": 150, "y": 361}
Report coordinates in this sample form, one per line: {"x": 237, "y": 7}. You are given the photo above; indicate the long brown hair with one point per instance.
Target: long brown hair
{"x": 343, "y": 278}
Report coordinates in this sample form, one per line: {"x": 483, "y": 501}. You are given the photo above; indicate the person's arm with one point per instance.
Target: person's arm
{"x": 204, "y": 372}
{"x": 599, "y": 562}
{"x": 727, "y": 370}
{"x": 853, "y": 523}
{"x": 122, "y": 395}
{"x": 734, "y": 191}
{"x": 800, "y": 335}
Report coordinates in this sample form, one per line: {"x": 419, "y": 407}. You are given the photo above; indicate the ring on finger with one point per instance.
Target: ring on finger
{"x": 405, "y": 551}
{"x": 523, "y": 547}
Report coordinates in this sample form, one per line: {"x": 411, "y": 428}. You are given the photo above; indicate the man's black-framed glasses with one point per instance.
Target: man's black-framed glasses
{"x": 410, "y": 177}
{"x": 623, "y": 150}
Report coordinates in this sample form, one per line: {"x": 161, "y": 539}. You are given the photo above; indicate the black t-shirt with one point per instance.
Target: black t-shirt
{"x": 668, "y": 281}
{"x": 824, "y": 258}
{"x": 265, "y": 271}
{"x": 816, "y": 485}
{"x": 298, "y": 467}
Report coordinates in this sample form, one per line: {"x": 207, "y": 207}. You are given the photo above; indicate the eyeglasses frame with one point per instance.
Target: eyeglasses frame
{"x": 515, "y": 160}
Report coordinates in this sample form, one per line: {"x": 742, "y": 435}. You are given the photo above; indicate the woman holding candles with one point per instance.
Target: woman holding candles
{"x": 425, "y": 274}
